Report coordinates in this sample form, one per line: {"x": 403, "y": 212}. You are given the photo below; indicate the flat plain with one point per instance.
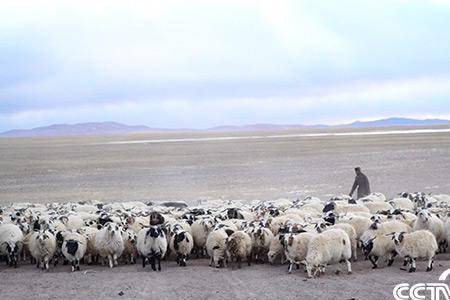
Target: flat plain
{"x": 204, "y": 165}
{"x": 216, "y": 165}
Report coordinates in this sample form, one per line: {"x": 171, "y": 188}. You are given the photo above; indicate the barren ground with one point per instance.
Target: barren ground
{"x": 72, "y": 169}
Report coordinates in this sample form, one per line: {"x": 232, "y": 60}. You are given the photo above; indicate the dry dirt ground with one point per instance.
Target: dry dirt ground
{"x": 199, "y": 281}
{"x": 85, "y": 168}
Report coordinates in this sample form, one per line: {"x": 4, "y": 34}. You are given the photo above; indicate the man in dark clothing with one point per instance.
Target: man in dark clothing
{"x": 362, "y": 183}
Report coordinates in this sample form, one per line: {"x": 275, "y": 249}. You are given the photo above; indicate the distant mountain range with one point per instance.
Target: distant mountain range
{"x": 109, "y": 128}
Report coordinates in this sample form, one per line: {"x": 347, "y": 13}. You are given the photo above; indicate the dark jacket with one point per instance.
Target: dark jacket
{"x": 362, "y": 183}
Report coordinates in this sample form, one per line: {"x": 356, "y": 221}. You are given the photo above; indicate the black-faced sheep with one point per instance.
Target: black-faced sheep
{"x": 152, "y": 245}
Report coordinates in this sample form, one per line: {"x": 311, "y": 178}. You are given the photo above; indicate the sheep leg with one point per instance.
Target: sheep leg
{"x": 152, "y": 263}
{"x": 224, "y": 263}
{"x": 110, "y": 261}
{"x": 46, "y": 261}
{"x": 349, "y": 266}
{"x": 412, "y": 262}
{"x": 354, "y": 250}
{"x": 373, "y": 260}
{"x": 116, "y": 263}
{"x": 184, "y": 257}
{"x": 143, "y": 261}
{"x": 405, "y": 261}
{"x": 211, "y": 262}
{"x": 158, "y": 258}
{"x": 338, "y": 268}
{"x": 391, "y": 258}
{"x": 238, "y": 262}
{"x": 430, "y": 264}
{"x": 73, "y": 266}
{"x": 309, "y": 271}
{"x": 291, "y": 264}
{"x": 249, "y": 260}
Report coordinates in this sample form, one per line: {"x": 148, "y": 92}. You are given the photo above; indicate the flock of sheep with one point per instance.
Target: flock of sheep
{"x": 307, "y": 232}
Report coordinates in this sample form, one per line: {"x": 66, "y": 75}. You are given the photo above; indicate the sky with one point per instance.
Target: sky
{"x": 200, "y": 64}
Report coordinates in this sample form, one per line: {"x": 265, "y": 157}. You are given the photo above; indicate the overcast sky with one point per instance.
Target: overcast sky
{"x": 205, "y": 63}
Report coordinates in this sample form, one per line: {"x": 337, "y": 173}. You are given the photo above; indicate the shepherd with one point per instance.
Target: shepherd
{"x": 362, "y": 183}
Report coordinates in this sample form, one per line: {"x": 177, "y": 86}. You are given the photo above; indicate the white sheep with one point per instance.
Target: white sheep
{"x": 72, "y": 222}
{"x": 276, "y": 249}
{"x": 74, "y": 248}
{"x": 351, "y": 232}
{"x": 89, "y": 233}
{"x": 296, "y": 248}
{"x": 374, "y": 197}
{"x": 402, "y": 203}
{"x": 182, "y": 244}
{"x": 261, "y": 239}
{"x": 380, "y": 245}
{"x": 360, "y": 224}
{"x": 11, "y": 242}
{"x": 376, "y": 207}
{"x": 129, "y": 246}
{"x": 417, "y": 244}
{"x": 42, "y": 245}
{"x": 152, "y": 245}
{"x": 330, "y": 246}
{"x": 390, "y": 226}
{"x": 216, "y": 247}
{"x": 200, "y": 230}
{"x": 239, "y": 247}
{"x": 447, "y": 231}
{"x": 344, "y": 208}
{"x": 109, "y": 243}
{"x": 428, "y": 221}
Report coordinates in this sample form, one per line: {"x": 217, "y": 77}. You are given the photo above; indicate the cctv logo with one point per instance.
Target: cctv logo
{"x": 422, "y": 291}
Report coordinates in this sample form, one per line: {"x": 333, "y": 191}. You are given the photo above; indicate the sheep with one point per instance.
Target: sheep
{"x": 11, "y": 243}
{"x": 200, "y": 229}
{"x": 182, "y": 244}
{"x": 89, "y": 233}
{"x": 109, "y": 243}
{"x": 447, "y": 231}
{"x": 216, "y": 246}
{"x": 129, "y": 246}
{"x": 360, "y": 224}
{"x": 351, "y": 232}
{"x": 276, "y": 249}
{"x": 390, "y": 226}
{"x": 74, "y": 248}
{"x": 402, "y": 203}
{"x": 276, "y": 223}
{"x": 425, "y": 220}
{"x": 330, "y": 246}
{"x": 417, "y": 244}
{"x": 375, "y": 207}
{"x": 239, "y": 246}
{"x": 296, "y": 248}
{"x": 345, "y": 208}
{"x": 374, "y": 197}
{"x": 42, "y": 246}
{"x": 72, "y": 222}
{"x": 152, "y": 245}
{"x": 261, "y": 239}
{"x": 378, "y": 246}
